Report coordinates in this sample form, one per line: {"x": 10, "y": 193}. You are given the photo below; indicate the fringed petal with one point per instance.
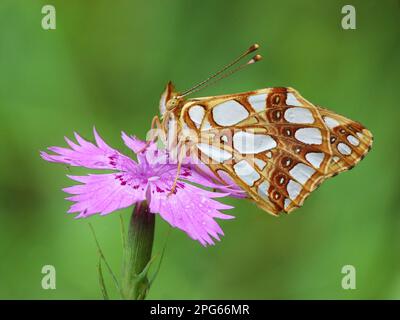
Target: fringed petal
{"x": 88, "y": 155}
{"x": 190, "y": 209}
{"x": 104, "y": 193}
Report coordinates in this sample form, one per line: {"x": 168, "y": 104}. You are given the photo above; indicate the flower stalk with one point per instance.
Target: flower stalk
{"x": 138, "y": 253}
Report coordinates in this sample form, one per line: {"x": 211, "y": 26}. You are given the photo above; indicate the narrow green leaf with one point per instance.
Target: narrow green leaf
{"x": 123, "y": 239}
{"x": 123, "y": 232}
{"x": 101, "y": 280}
{"x": 161, "y": 258}
{"x": 104, "y": 259}
{"x": 145, "y": 270}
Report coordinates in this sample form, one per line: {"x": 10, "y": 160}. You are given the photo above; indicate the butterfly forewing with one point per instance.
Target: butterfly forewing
{"x": 350, "y": 141}
{"x": 273, "y": 143}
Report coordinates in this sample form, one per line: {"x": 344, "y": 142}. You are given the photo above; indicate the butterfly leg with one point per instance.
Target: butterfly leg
{"x": 181, "y": 157}
{"x": 155, "y": 124}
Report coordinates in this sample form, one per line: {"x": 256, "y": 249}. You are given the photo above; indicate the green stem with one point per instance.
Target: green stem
{"x": 137, "y": 254}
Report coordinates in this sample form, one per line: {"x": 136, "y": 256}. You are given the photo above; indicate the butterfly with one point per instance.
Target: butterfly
{"x": 274, "y": 144}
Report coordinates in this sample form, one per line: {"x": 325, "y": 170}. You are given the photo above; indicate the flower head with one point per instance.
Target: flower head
{"x": 150, "y": 178}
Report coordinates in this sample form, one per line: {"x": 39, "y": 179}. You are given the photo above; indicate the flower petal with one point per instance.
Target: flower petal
{"x": 203, "y": 176}
{"x": 88, "y": 155}
{"x": 190, "y": 209}
{"x": 133, "y": 143}
{"x": 202, "y": 173}
{"x": 147, "y": 155}
{"x": 104, "y": 193}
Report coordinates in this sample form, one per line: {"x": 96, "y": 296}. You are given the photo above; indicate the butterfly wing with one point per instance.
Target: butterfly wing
{"x": 273, "y": 143}
{"x": 350, "y": 141}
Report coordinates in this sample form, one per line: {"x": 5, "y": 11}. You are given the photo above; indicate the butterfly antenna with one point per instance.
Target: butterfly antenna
{"x": 196, "y": 88}
{"x": 255, "y": 59}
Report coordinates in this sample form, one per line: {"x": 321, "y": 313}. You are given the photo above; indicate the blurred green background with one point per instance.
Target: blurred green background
{"x": 106, "y": 65}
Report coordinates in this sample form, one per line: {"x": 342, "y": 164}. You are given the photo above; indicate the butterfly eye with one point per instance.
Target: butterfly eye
{"x": 172, "y": 103}
{"x": 333, "y": 139}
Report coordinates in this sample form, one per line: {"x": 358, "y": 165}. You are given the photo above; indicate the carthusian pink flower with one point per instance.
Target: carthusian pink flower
{"x": 150, "y": 178}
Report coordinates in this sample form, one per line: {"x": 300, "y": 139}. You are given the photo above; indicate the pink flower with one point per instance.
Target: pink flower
{"x": 190, "y": 208}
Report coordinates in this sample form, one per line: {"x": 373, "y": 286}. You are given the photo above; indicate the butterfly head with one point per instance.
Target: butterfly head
{"x": 170, "y": 99}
